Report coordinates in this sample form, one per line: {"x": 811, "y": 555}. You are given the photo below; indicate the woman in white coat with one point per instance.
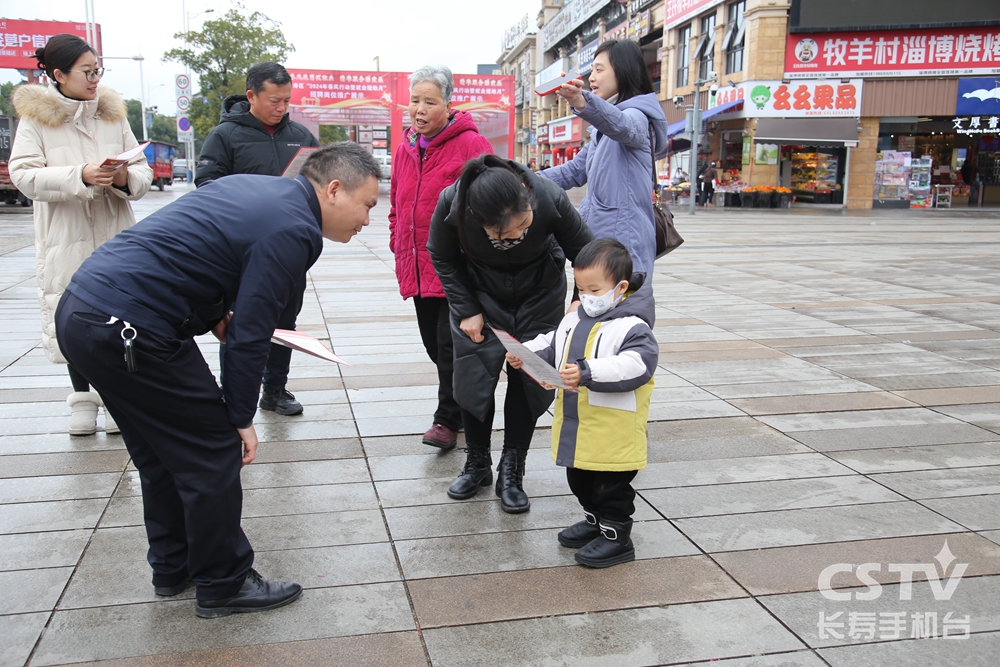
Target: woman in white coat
{"x": 66, "y": 131}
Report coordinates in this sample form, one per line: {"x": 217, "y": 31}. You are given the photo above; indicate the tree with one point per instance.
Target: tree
{"x": 331, "y": 133}
{"x": 220, "y": 55}
{"x": 6, "y": 91}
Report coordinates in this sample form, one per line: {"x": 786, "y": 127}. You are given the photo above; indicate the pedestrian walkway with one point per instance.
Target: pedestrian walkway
{"x": 822, "y": 489}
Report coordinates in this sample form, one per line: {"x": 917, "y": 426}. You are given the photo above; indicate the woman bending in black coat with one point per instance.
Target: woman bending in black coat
{"x": 499, "y": 240}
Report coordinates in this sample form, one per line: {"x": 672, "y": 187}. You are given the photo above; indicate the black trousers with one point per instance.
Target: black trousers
{"x": 435, "y": 332}
{"x": 518, "y": 426}
{"x": 607, "y": 494}
{"x": 177, "y": 431}
{"x": 279, "y": 359}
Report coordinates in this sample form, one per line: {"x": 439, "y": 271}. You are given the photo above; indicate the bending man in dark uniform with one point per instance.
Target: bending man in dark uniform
{"x": 225, "y": 258}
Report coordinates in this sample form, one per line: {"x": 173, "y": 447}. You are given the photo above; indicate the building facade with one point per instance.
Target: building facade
{"x": 568, "y": 36}
{"x": 807, "y": 96}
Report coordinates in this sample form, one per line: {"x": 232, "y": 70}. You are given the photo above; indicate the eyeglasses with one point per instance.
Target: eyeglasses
{"x": 91, "y": 74}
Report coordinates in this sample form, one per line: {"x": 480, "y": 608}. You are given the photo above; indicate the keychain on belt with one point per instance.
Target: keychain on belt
{"x": 130, "y": 364}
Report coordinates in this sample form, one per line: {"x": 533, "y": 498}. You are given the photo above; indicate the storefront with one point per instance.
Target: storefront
{"x": 925, "y": 135}
{"x": 795, "y": 136}
{"x": 565, "y": 136}
{"x": 812, "y": 153}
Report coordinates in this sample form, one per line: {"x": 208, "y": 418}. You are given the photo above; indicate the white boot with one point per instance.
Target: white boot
{"x": 84, "y": 405}
{"x": 110, "y": 427}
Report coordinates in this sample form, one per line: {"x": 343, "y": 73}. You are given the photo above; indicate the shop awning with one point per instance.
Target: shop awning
{"x": 675, "y": 128}
{"x": 807, "y": 131}
{"x": 722, "y": 108}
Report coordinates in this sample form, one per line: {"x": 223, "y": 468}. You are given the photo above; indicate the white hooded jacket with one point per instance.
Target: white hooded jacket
{"x": 56, "y": 138}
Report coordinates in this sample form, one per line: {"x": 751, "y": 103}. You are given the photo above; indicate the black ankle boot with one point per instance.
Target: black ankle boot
{"x": 513, "y": 499}
{"x": 581, "y": 533}
{"x": 612, "y": 547}
{"x": 477, "y": 473}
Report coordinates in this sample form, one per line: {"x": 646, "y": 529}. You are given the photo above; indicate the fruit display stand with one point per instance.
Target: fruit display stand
{"x": 814, "y": 178}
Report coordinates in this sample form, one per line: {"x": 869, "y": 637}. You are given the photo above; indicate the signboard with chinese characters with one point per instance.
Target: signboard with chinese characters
{"x": 678, "y": 11}
{"x": 639, "y": 25}
{"x": 566, "y": 131}
{"x": 339, "y": 89}
{"x": 573, "y": 13}
{"x": 895, "y": 53}
{"x": 19, "y": 39}
{"x": 978, "y": 97}
{"x": 585, "y": 57}
{"x": 976, "y": 124}
{"x": 514, "y": 34}
{"x": 807, "y": 98}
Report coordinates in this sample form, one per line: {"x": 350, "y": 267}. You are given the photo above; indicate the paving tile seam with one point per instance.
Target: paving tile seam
{"x": 381, "y": 508}
{"x": 499, "y": 532}
{"x": 759, "y": 481}
{"x": 76, "y": 567}
{"x": 842, "y": 542}
{"x": 860, "y": 642}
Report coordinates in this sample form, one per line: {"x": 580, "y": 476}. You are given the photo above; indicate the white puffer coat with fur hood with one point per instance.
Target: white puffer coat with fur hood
{"x": 56, "y": 138}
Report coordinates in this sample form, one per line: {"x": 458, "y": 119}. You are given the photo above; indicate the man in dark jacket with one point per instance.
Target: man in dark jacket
{"x": 226, "y": 259}
{"x": 255, "y": 136}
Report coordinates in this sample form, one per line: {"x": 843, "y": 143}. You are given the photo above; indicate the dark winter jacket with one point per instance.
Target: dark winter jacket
{"x": 241, "y": 243}
{"x": 521, "y": 290}
{"x": 241, "y": 144}
{"x": 416, "y": 185}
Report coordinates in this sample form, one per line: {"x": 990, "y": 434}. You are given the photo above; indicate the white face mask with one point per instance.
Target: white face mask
{"x": 595, "y": 306}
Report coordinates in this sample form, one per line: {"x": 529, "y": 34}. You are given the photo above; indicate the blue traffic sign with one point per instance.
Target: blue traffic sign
{"x": 184, "y": 124}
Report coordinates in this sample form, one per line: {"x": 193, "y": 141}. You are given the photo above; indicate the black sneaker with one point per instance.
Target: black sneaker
{"x": 281, "y": 401}
{"x": 257, "y": 594}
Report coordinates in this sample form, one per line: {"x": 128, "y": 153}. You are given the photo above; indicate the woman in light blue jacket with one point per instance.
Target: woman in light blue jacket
{"x": 621, "y": 108}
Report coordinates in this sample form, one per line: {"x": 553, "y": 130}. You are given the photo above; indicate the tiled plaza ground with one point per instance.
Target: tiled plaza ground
{"x": 828, "y": 392}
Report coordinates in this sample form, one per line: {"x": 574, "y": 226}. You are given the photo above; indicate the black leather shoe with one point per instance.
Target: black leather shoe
{"x": 614, "y": 546}
{"x": 477, "y": 473}
{"x": 510, "y": 473}
{"x": 177, "y": 589}
{"x": 257, "y": 594}
{"x": 281, "y": 401}
{"x": 581, "y": 533}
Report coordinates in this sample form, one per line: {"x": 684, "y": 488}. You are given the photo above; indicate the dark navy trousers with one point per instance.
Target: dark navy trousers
{"x": 176, "y": 429}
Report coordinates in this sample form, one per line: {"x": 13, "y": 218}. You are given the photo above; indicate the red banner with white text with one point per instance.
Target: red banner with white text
{"x": 19, "y": 39}
{"x": 894, "y": 53}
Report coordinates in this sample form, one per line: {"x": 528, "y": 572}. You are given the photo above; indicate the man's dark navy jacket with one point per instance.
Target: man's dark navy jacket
{"x": 240, "y": 243}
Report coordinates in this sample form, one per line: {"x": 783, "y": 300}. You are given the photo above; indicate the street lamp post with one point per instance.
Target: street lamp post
{"x": 189, "y": 144}
{"x": 142, "y": 89}
{"x": 695, "y": 129}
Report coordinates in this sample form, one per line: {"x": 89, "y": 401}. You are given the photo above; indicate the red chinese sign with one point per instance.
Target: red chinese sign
{"x": 565, "y": 131}
{"x": 340, "y": 97}
{"x": 675, "y": 11}
{"x": 934, "y": 52}
{"x": 20, "y": 39}
{"x": 797, "y": 99}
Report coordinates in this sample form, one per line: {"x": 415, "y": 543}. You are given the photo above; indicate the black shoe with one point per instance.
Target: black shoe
{"x": 581, "y": 533}
{"x": 169, "y": 591}
{"x": 510, "y": 473}
{"x": 280, "y": 401}
{"x": 477, "y": 473}
{"x": 612, "y": 547}
{"x": 257, "y": 594}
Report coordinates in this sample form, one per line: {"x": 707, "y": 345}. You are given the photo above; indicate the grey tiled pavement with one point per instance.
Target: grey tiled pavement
{"x": 828, "y": 392}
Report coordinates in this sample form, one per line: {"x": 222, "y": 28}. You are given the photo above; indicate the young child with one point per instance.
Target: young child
{"x": 607, "y": 351}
